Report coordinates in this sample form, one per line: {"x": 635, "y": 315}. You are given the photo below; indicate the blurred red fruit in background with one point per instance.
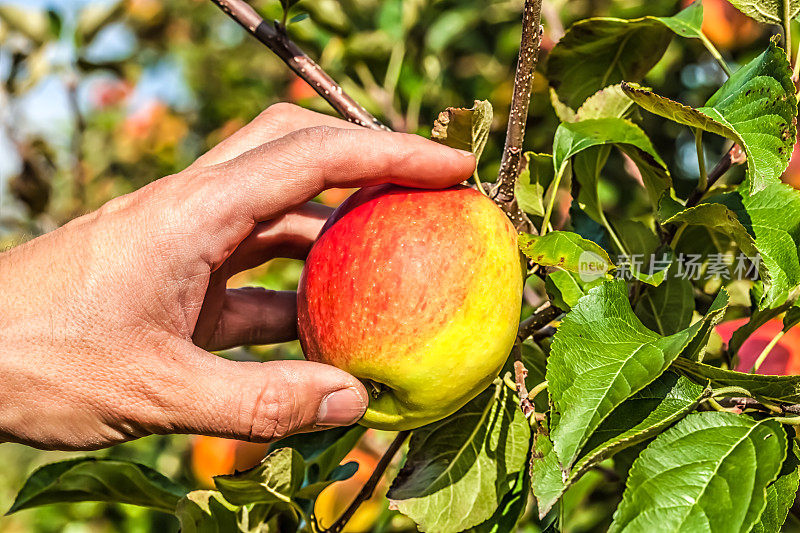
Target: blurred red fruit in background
{"x": 109, "y": 92}
{"x": 783, "y": 359}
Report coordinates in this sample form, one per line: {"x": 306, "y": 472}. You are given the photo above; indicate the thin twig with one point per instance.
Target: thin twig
{"x": 750, "y": 403}
{"x": 369, "y": 487}
{"x": 543, "y": 316}
{"x": 503, "y": 192}
{"x": 734, "y": 156}
{"x": 274, "y": 36}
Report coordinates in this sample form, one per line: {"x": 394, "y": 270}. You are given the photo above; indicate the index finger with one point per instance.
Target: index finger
{"x": 229, "y": 198}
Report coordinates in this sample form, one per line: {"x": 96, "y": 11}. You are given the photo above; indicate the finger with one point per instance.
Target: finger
{"x": 252, "y": 315}
{"x": 290, "y": 236}
{"x": 274, "y": 122}
{"x": 258, "y": 402}
{"x": 278, "y": 176}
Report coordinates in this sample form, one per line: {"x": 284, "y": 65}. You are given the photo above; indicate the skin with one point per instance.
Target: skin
{"x": 418, "y": 291}
{"x": 105, "y": 323}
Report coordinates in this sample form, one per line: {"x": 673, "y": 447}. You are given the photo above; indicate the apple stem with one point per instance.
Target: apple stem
{"x": 510, "y": 164}
{"x": 369, "y": 487}
{"x": 275, "y": 37}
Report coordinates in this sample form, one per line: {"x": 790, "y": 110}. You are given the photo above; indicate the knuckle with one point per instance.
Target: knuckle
{"x": 274, "y": 413}
{"x": 277, "y": 113}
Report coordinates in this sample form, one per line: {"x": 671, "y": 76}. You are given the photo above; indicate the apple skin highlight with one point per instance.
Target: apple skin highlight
{"x": 415, "y": 292}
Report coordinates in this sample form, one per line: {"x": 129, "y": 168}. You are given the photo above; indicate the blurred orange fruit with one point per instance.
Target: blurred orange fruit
{"x": 333, "y": 501}
{"x": 299, "y": 90}
{"x": 214, "y": 456}
{"x": 726, "y": 26}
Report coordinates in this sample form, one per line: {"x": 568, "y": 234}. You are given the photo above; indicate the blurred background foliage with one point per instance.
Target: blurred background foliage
{"x": 99, "y": 97}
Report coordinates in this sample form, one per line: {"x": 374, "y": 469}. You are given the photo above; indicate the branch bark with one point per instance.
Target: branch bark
{"x": 274, "y": 36}
{"x": 546, "y": 314}
{"x": 503, "y": 192}
{"x": 750, "y": 403}
{"x": 372, "y": 482}
{"x": 734, "y": 156}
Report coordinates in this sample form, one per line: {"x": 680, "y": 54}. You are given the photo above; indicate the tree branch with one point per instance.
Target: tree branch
{"x": 544, "y": 315}
{"x": 274, "y": 36}
{"x": 503, "y": 192}
{"x": 750, "y": 403}
{"x": 369, "y": 487}
{"x": 734, "y": 156}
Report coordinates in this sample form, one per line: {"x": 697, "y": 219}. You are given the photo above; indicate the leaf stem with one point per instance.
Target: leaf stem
{"x": 549, "y": 211}
{"x": 276, "y": 40}
{"x": 537, "y": 390}
{"x": 727, "y": 391}
{"x": 765, "y": 352}
{"x": 702, "y": 182}
{"x": 787, "y": 30}
{"x": 369, "y": 487}
{"x": 715, "y": 53}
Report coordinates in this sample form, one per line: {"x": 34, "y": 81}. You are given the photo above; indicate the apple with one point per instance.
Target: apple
{"x": 415, "y": 292}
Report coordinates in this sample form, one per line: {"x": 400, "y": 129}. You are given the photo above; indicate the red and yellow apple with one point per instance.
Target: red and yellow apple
{"x": 415, "y": 292}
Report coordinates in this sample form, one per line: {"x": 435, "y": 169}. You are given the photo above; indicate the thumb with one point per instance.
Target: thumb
{"x": 262, "y": 402}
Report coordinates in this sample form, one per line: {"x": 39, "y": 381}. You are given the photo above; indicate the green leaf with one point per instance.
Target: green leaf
{"x": 464, "y": 129}
{"x": 772, "y": 217}
{"x": 667, "y": 308}
{"x": 534, "y": 179}
{"x": 657, "y": 406}
{"x": 511, "y": 508}
{"x": 688, "y": 22}
{"x": 568, "y": 251}
{"x": 276, "y": 479}
{"x": 586, "y": 167}
{"x": 707, "y": 473}
{"x": 98, "y": 480}
{"x": 566, "y": 288}
{"x": 574, "y": 137}
{"x": 767, "y": 11}
{"x": 697, "y": 347}
{"x": 756, "y": 107}
{"x": 780, "y": 496}
{"x": 547, "y": 479}
{"x": 791, "y": 318}
{"x": 600, "y": 356}
{"x": 206, "y": 511}
{"x": 322, "y": 451}
{"x": 597, "y": 52}
{"x": 719, "y": 218}
{"x": 459, "y": 469}
{"x": 610, "y": 102}
{"x": 776, "y": 388}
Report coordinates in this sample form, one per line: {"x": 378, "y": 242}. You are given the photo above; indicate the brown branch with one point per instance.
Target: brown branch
{"x": 750, "y": 403}
{"x": 734, "y": 156}
{"x": 274, "y": 36}
{"x": 369, "y": 487}
{"x": 503, "y": 192}
{"x": 545, "y": 314}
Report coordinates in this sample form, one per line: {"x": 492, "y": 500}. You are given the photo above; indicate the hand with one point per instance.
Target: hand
{"x": 104, "y": 322}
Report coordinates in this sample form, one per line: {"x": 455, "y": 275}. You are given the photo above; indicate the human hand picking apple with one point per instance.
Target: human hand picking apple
{"x": 110, "y": 342}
